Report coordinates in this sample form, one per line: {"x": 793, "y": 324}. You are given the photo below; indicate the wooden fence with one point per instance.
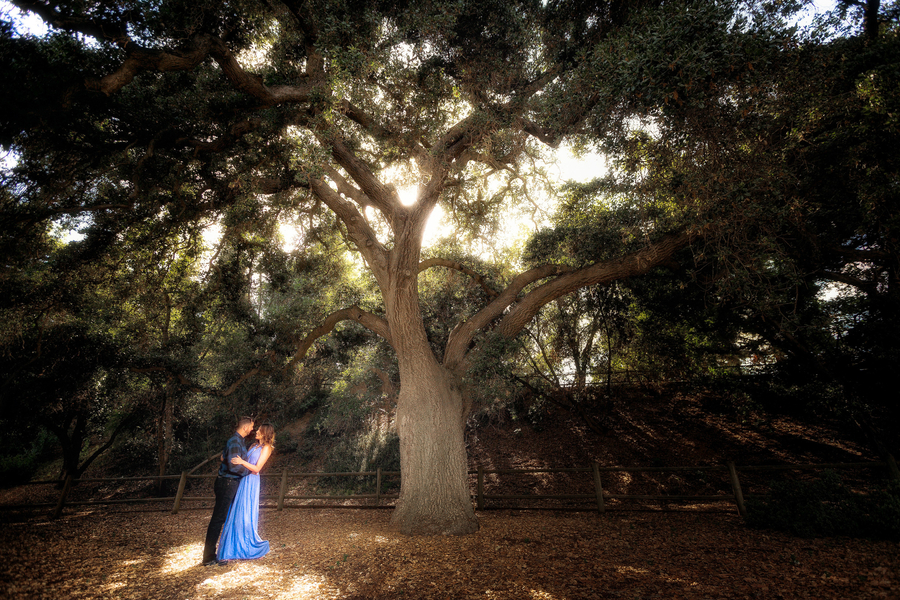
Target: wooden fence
{"x": 599, "y": 497}
{"x": 596, "y": 501}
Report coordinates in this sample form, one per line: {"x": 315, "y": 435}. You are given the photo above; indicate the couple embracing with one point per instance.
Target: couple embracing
{"x": 236, "y": 512}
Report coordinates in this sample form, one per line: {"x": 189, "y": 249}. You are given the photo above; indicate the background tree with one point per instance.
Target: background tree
{"x": 792, "y": 171}
{"x": 71, "y": 380}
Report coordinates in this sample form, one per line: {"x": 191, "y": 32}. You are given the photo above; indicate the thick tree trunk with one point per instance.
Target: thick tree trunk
{"x": 434, "y": 493}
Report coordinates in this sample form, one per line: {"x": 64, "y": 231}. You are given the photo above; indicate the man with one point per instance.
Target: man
{"x": 226, "y": 487}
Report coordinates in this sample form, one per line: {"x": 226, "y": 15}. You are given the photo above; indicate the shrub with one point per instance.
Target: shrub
{"x": 17, "y": 469}
{"x": 309, "y": 447}
{"x": 285, "y": 442}
{"x": 883, "y": 508}
{"x": 137, "y": 452}
{"x": 367, "y": 451}
{"x": 826, "y": 507}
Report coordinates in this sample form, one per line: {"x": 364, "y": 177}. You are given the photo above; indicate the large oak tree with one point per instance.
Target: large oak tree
{"x": 153, "y": 115}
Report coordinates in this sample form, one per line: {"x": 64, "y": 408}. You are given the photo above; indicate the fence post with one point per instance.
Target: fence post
{"x": 598, "y": 489}
{"x": 282, "y": 490}
{"x": 62, "y": 497}
{"x": 178, "y": 496}
{"x": 480, "y": 490}
{"x": 377, "y": 486}
{"x": 736, "y": 486}
{"x": 892, "y": 467}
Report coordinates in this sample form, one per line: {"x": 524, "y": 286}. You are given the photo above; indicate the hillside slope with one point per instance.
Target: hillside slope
{"x": 678, "y": 429}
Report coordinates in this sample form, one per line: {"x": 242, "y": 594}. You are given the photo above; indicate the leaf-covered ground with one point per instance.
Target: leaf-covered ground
{"x": 356, "y": 554}
{"x": 317, "y": 553}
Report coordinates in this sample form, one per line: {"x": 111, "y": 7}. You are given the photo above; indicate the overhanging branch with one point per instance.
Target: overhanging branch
{"x": 462, "y": 334}
{"x": 452, "y": 264}
{"x": 373, "y": 323}
{"x": 567, "y": 280}
{"x": 140, "y": 59}
{"x": 630, "y": 265}
{"x": 195, "y": 387}
{"x": 362, "y": 234}
{"x": 383, "y": 197}
{"x": 866, "y": 286}
{"x": 96, "y": 28}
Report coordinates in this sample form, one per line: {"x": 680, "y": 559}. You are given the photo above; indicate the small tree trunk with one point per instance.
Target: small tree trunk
{"x": 72, "y": 444}
{"x": 164, "y": 433}
{"x": 870, "y": 19}
{"x": 609, "y": 362}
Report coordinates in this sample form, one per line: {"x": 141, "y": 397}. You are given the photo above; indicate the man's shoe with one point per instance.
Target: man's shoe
{"x": 216, "y": 563}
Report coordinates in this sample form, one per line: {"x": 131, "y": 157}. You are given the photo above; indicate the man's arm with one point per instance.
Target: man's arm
{"x": 236, "y": 448}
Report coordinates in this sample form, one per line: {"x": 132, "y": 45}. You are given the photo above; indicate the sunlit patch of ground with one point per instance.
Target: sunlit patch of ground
{"x": 181, "y": 558}
{"x": 249, "y": 579}
{"x": 355, "y": 555}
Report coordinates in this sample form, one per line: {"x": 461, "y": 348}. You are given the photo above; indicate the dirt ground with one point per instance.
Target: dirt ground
{"x": 355, "y": 554}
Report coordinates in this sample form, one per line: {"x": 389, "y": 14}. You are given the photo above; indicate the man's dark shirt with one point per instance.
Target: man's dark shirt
{"x": 233, "y": 447}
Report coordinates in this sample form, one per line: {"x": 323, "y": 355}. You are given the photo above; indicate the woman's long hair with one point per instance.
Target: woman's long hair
{"x": 265, "y": 435}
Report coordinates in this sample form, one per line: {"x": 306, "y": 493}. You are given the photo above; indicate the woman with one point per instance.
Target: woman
{"x": 239, "y": 535}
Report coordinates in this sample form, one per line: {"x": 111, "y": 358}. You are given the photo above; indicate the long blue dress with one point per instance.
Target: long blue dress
{"x": 239, "y": 537}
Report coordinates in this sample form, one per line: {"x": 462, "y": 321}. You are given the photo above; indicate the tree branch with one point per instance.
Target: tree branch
{"x": 550, "y": 138}
{"x": 568, "y": 280}
{"x": 141, "y": 59}
{"x": 383, "y": 197}
{"x": 362, "y": 234}
{"x": 224, "y": 141}
{"x": 96, "y": 28}
{"x": 462, "y": 335}
{"x": 346, "y": 188}
{"x": 378, "y": 131}
{"x": 452, "y": 264}
{"x": 112, "y": 438}
{"x": 866, "y": 286}
{"x": 368, "y": 320}
{"x": 373, "y": 323}
{"x": 630, "y": 265}
{"x": 868, "y": 254}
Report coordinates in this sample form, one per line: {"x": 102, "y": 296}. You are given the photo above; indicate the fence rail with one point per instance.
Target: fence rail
{"x": 596, "y": 500}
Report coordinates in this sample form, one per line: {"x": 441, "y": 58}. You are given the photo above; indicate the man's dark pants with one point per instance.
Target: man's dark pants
{"x": 225, "y": 489}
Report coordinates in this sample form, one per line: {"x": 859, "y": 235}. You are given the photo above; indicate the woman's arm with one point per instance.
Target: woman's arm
{"x": 263, "y": 457}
